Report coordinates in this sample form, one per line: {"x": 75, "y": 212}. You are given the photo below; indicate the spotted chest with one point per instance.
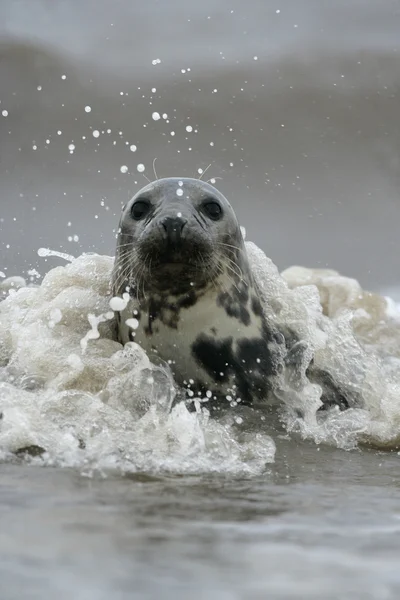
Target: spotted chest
{"x": 217, "y": 344}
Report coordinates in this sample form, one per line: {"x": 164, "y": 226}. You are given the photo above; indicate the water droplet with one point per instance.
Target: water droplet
{"x": 133, "y": 323}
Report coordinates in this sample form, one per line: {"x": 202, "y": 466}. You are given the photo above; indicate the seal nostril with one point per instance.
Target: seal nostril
{"x": 173, "y": 227}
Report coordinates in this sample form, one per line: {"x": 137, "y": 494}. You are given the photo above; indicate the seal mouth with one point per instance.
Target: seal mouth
{"x": 178, "y": 266}
{"x": 188, "y": 258}
{"x": 177, "y": 274}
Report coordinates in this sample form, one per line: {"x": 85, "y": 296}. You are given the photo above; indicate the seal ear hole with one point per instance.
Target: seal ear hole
{"x": 212, "y": 209}
{"x": 140, "y": 209}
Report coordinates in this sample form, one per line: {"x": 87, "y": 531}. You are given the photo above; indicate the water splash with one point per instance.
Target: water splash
{"x": 72, "y": 393}
{"x": 46, "y": 252}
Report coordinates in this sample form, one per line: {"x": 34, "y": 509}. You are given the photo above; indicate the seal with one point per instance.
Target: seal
{"x": 191, "y": 299}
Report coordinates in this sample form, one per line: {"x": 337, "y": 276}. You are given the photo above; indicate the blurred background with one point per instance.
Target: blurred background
{"x": 294, "y": 103}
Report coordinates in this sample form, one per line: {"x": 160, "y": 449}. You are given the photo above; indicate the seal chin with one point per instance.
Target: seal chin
{"x": 178, "y": 276}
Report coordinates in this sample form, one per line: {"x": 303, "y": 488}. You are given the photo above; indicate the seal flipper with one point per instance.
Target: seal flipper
{"x": 333, "y": 394}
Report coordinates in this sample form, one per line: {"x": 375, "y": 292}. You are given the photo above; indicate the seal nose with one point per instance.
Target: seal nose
{"x": 173, "y": 227}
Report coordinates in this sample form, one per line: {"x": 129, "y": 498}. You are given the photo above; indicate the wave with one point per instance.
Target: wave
{"x": 70, "y": 395}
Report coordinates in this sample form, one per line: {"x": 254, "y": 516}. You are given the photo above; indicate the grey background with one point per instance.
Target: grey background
{"x": 306, "y": 137}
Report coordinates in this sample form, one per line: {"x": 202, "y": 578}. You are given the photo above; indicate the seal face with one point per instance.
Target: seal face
{"x": 192, "y": 299}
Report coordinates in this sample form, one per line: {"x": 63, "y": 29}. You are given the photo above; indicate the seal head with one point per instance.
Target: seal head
{"x": 173, "y": 235}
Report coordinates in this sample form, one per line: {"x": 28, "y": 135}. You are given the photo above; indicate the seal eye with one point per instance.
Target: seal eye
{"x": 213, "y": 210}
{"x": 140, "y": 209}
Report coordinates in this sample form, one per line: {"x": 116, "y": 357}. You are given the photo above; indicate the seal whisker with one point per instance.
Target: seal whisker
{"x": 125, "y": 265}
{"x": 127, "y": 253}
{"x": 232, "y": 270}
{"x": 118, "y": 283}
{"x": 122, "y": 263}
{"x": 123, "y": 245}
{"x": 154, "y": 169}
{"x": 141, "y": 278}
{"x": 146, "y": 178}
{"x": 136, "y": 276}
{"x": 128, "y": 235}
{"x": 230, "y": 246}
{"x": 231, "y": 264}
{"x": 125, "y": 269}
{"x": 206, "y": 267}
{"x": 204, "y": 172}
{"x": 228, "y": 276}
{"x": 220, "y": 283}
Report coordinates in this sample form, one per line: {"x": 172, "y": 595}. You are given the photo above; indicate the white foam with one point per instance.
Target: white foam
{"x": 68, "y": 387}
{"x": 361, "y": 351}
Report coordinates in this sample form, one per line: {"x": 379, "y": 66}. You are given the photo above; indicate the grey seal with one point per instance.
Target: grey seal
{"x": 191, "y": 299}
